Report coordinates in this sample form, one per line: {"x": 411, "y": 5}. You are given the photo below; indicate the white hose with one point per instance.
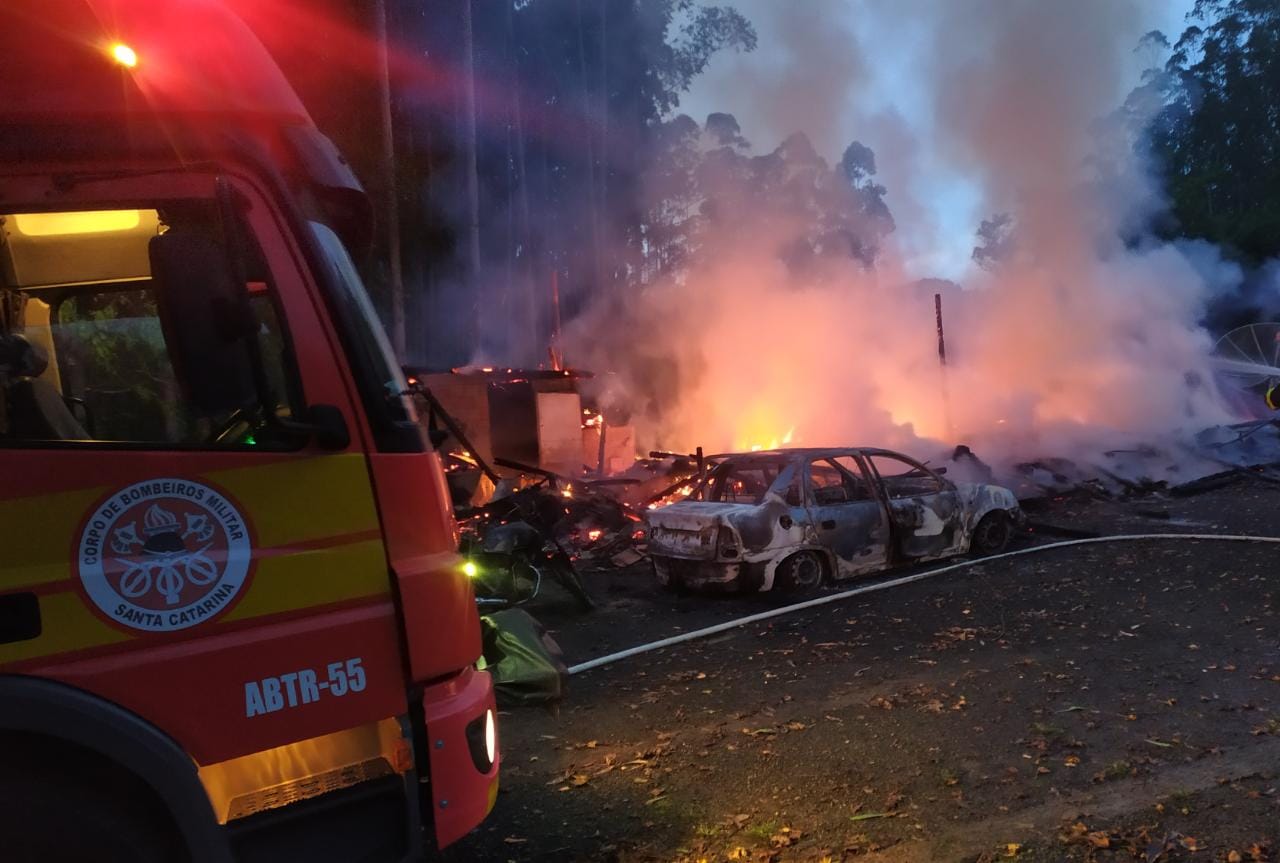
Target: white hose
{"x": 896, "y": 582}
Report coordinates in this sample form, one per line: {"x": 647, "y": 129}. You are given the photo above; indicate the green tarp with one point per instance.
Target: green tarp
{"x": 525, "y": 662}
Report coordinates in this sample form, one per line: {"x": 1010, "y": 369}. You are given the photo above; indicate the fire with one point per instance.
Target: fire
{"x": 594, "y": 534}
{"x": 774, "y": 443}
{"x": 674, "y": 497}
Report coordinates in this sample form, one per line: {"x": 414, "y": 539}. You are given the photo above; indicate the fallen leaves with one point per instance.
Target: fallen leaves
{"x": 785, "y": 837}
{"x": 770, "y": 731}
{"x": 1272, "y": 726}
{"x": 576, "y": 780}
{"x": 1079, "y": 834}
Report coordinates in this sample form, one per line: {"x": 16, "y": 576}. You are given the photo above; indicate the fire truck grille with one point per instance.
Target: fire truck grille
{"x": 308, "y": 787}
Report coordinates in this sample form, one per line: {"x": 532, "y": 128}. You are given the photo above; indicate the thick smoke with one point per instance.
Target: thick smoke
{"x": 1083, "y": 337}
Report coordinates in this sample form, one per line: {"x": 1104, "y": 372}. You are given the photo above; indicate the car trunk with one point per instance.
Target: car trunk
{"x": 688, "y": 529}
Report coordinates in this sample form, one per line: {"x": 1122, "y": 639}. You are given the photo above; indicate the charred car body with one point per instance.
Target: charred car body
{"x": 791, "y": 519}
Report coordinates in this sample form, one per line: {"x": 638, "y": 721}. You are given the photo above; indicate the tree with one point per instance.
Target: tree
{"x": 1217, "y": 135}
{"x": 708, "y": 188}
{"x": 995, "y": 241}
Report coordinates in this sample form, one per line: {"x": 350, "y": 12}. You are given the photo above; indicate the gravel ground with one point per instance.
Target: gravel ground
{"x": 1107, "y": 702}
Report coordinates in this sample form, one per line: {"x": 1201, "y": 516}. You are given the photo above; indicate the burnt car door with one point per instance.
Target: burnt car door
{"x": 923, "y": 507}
{"x": 846, "y": 515}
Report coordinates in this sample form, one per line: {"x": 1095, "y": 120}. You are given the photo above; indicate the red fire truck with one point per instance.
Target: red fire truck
{"x": 233, "y": 621}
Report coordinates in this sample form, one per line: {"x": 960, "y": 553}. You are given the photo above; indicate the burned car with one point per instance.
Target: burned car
{"x": 792, "y": 519}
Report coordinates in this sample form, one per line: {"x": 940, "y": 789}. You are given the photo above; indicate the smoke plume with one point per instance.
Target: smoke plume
{"x": 1083, "y": 336}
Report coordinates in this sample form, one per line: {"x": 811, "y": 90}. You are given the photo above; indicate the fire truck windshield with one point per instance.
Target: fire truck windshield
{"x": 374, "y": 359}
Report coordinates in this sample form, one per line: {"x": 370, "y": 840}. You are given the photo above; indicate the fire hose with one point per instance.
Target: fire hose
{"x": 897, "y": 582}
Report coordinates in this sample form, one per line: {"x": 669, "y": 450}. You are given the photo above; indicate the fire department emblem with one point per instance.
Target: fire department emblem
{"x": 164, "y": 554}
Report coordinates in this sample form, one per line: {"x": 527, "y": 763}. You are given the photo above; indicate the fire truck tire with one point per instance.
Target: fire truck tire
{"x": 800, "y": 574}
{"x": 69, "y": 806}
{"x": 993, "y": 533}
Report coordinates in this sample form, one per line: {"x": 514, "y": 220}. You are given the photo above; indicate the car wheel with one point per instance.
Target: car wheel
{"x": 992, "y": 533}
{"x": 667, "y": 580}
{"x": 800, "y": 574}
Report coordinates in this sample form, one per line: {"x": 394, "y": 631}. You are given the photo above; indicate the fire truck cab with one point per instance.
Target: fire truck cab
{"x": 233, "y": 621}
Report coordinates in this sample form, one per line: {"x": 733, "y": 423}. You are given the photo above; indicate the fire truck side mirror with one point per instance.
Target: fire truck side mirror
{"x": 204, "y": 315}
{"x": 329, "y": 427}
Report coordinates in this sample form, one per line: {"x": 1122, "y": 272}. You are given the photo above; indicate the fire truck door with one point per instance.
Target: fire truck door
{"x": 183, "y": 552}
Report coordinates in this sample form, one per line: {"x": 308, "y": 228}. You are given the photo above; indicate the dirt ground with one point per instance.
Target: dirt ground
{"x": 1103, "y": 702}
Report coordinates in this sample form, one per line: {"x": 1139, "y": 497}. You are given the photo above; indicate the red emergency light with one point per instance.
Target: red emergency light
{"x": 90, "y": 58}
{"x": 124, "y": 55}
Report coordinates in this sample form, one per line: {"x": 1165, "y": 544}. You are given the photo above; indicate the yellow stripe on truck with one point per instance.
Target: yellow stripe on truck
{"x": 298, "y": 500}
{"x": 68, "y": 624}
{"x": 36, "y": 534}
{"x": 281, "y": 584}
{"x": 315, "y": 578}
{"x": 307, "y": 498}
{"x": 294, "y": 507}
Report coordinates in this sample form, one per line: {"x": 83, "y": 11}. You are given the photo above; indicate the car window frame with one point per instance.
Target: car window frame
{"x": 868, "y": 457}
{"x": 846, "y": 477}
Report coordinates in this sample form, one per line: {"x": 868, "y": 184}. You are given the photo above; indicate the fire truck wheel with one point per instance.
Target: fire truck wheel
{"x": 992, "y": 533}
{"x": 60, "y": 806}
{"x": 800, "y": 574}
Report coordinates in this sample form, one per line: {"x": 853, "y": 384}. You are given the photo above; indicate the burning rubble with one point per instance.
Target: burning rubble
{"x": 1074, "y": 358}
{"x": 543, "y": 487}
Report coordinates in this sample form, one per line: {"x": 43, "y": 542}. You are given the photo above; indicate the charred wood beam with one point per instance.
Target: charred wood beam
{"x": 437, "y": 410}
{"x": 528, "y": 468}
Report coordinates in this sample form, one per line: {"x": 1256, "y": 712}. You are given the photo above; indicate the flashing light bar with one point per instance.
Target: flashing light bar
{"x": 124, "y": 55}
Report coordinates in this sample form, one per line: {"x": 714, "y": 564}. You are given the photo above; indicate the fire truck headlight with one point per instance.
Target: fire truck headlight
{"x": 469, "y": 569}
{"x": 482, "y": 740}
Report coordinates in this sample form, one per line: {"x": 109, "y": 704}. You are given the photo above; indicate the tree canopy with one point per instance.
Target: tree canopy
{"x": 1217, "y": 136}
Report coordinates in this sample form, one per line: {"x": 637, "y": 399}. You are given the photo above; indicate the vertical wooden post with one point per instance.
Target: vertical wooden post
{"x": 942, "y": 363}
{"x": 557, "y": 361}
{"x": 600, "y": 465}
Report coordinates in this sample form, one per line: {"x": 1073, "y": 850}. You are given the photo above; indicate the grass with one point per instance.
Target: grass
{"x": 762, "y": 830}
{"x": 1116, "y": 770}
{"x": 1181, "y": 800}
{"x": 1044, "y": 729}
